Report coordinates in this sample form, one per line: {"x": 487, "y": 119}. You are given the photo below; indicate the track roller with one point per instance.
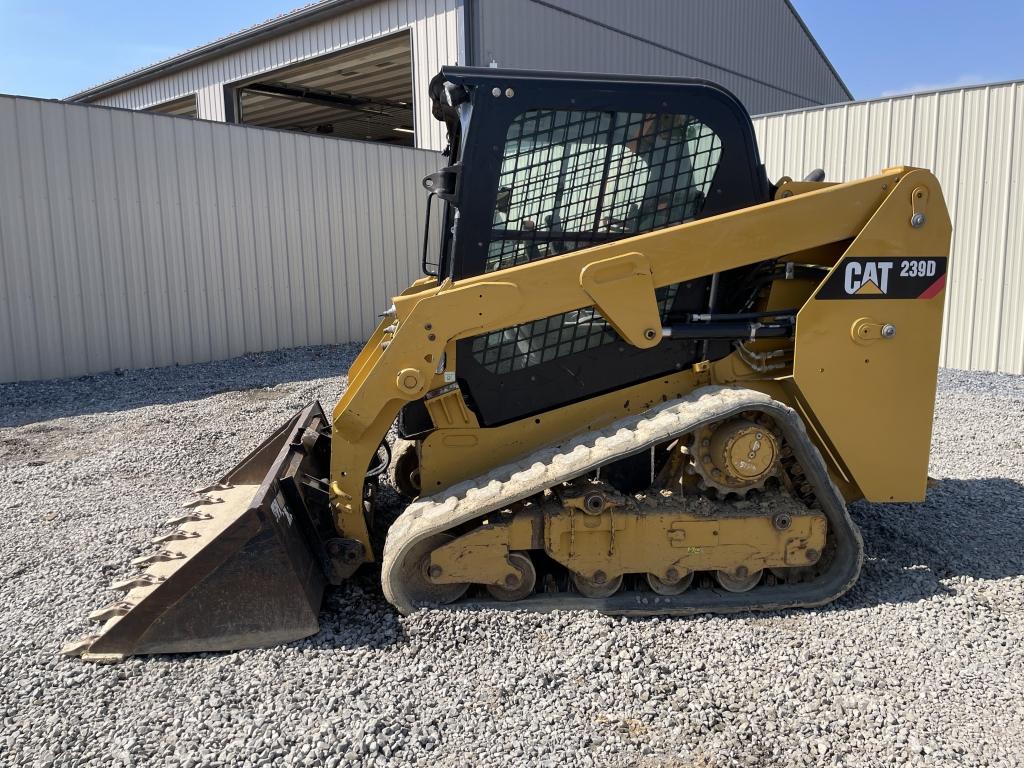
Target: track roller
{"x": 740, "y": 581}
{"x": 664, "y": 586}
{"x": 598, "y": 586}
{"x": 516, "y": 589}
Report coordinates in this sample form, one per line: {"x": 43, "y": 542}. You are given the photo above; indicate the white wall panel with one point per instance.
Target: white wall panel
{"x": 437, "y": 40}
{"x": 132, "y": 239}
{"x": 972, "y": 140}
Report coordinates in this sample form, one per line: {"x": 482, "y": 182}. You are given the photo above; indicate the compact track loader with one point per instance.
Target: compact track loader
{"x": 638, "y": 378}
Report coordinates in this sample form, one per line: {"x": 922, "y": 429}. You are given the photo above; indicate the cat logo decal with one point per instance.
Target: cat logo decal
{"x": 857, "y": 277}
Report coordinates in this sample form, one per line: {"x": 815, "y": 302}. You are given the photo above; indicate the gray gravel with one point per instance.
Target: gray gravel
{"x": 920, "y": 664}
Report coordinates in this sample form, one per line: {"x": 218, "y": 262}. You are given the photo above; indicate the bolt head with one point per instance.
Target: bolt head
{"x": 917, "y": 220}
{"x": 600, "y": 577}
{"x": 434, "y": 571}
{"x": 511, "y": 581}
{"x": 742, "y": 572}
{"x": 671, "y": 575}
{"x": 888, "y": 331}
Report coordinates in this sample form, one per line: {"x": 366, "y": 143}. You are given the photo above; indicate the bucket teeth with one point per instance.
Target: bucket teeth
{"x": 161, "y": 556}
{"x": 174, "y": 536}
{"x": 203, "y": 499}
{"x": 142, "y": 580}
{"x": 120, "y": 608}
{"x": 79, "y": 646}
{"x": 190, "y": 517}
{"x": 204, "y": 490}
{"x": 237, "y": 575}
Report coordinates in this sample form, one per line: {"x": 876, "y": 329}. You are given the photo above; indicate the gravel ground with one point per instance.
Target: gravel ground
{"x": 921, "y": 664}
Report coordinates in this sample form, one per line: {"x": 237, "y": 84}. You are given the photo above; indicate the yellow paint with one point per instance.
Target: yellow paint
{"x": 831, "y": 384}
{"x": 874, "y": 398}
{"x": 619, "y": 541}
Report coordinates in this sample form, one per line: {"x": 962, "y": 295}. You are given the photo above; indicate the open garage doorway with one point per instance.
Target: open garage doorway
{"x": 364, "y": 92}
{"x": 186, "y": 106}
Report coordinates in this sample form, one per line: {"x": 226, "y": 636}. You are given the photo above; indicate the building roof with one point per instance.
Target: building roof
{"x": 814, "y": 42}
{"x": 306, "y": 14}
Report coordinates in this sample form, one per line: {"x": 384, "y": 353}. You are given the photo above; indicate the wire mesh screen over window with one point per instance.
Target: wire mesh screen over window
{"x": 573, "y": 178}
{"x": 570, "y": 179}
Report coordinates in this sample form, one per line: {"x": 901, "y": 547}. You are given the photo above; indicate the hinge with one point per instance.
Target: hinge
{"x": 444, "y": 183}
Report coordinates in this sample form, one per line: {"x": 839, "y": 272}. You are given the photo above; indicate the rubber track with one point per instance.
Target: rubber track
{"x": 548, "y": 467}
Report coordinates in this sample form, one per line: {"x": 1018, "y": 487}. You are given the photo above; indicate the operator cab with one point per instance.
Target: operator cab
{"x": 543, "y": 164}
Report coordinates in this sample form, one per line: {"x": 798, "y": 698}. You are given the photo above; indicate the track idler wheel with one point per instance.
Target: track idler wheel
{"x": 516, "y": 588}
{"x": 420, "y": 574}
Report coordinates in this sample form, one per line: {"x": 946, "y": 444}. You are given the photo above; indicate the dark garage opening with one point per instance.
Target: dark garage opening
{"x": 364, "y": 92}
{"x": 186, "y": 106}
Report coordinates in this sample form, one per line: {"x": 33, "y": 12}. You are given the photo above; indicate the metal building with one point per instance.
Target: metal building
{"x": 360, "y": 68}
{"x": 132, "y": 237}
{"x": 133, "y": 240}
{"x": 972, "y": 139}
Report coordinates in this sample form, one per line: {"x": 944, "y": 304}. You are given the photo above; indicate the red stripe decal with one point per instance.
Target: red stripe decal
{"x": 932, "y": 290}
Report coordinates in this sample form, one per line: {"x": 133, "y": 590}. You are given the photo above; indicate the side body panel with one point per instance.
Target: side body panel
{"x": 867, "y": 345}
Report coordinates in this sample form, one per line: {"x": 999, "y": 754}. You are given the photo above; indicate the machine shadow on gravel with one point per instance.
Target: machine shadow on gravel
{"x": 965, "y": 528}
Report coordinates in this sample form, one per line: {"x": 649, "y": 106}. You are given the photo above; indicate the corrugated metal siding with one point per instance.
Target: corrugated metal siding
{"x": 973, "y": 141}
{"x": 130, "y": 239}
{"x": 762, "y": 40}
{"x": 437, "y": 39}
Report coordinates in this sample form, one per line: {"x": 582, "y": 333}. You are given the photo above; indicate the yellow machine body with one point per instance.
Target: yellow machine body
{"x": 852, "y": 385}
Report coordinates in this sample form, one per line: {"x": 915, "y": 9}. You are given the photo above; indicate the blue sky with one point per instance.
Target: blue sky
{"x": 52, "y": 49}
{"x": 881, "y": 47}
